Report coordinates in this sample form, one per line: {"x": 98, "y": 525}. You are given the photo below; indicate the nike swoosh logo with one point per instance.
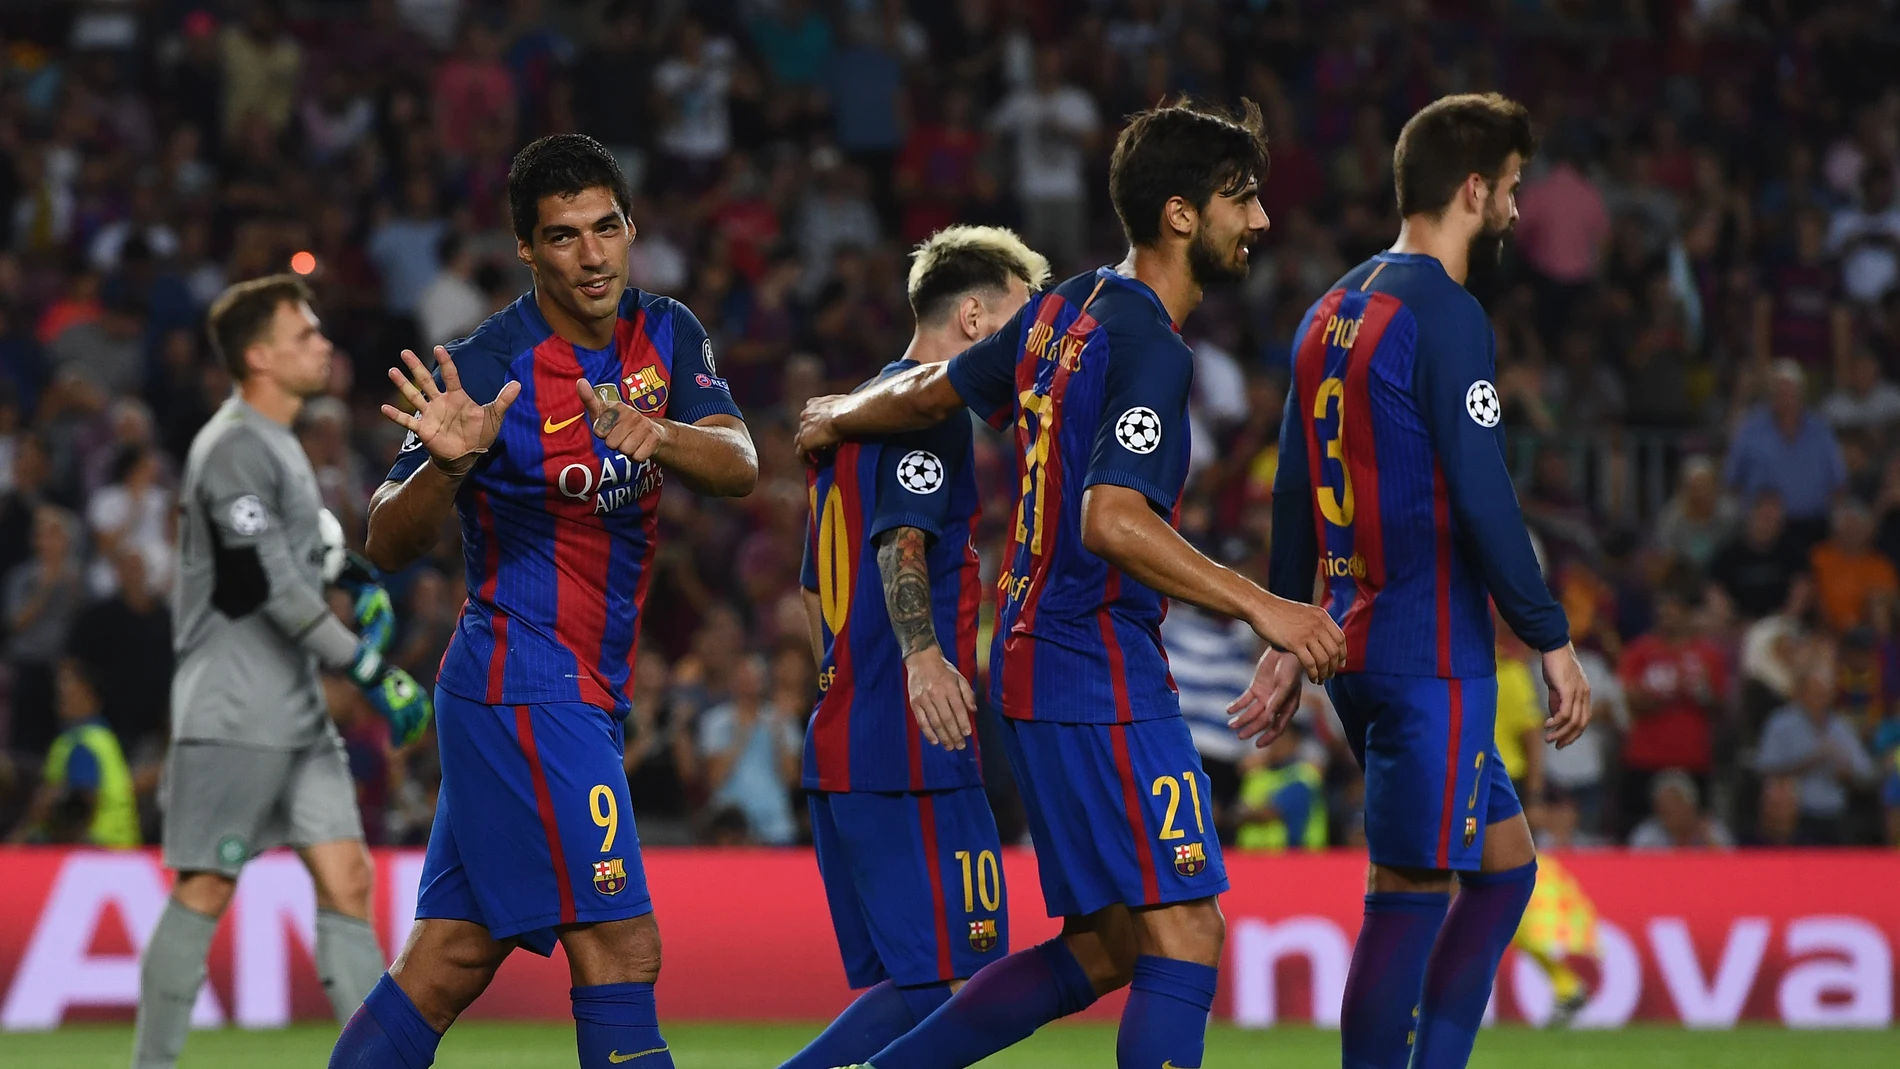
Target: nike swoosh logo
{"x": 615, "y": 1056}
{"x": 548, "y": 426}
{"x": 1171, "y": 1065}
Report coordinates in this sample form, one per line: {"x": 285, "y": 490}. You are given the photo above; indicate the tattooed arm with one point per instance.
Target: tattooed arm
{"x": 940, "y": 698}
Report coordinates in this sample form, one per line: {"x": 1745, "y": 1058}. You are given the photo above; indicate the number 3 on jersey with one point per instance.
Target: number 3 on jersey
{"x": 1335, "y": 499}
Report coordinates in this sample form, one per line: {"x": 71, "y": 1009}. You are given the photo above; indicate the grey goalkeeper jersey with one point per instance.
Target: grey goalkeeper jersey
{"x": 248, "y": 605}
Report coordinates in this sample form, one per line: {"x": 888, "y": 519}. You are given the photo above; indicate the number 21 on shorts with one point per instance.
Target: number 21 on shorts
{"x": 1189, "y": 858}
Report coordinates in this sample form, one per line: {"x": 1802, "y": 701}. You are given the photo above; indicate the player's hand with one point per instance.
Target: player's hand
{"x": 1306, "y": 631}
{"x": 398, "y": 699}
{"x": 626, "y": 430}
{"x": 817, "y": 425}
{"x": 1569, "y": 696}
{"x": 940, "y": 699}
{"x": 447, "y": 421}
{"x": 1266, "y": 707}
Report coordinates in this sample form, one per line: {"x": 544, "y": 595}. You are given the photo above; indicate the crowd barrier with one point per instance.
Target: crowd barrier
{"x": 1704, "y": 940}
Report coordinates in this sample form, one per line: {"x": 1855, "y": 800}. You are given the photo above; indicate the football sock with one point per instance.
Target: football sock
{"x": 869, "y": 1024}
{"x": 1465, "y": 961}
{"x": 349, "y": 960}
{"x": 1388, "y": 970}
{"x": 616, "y": 1024}
{"x": 386, "y": 1032}
{"x": 1002, "y": 1004}
{"x": 1565, "y": 984}
{"x": 171, "y": 971}
{"x": 1165, "y": 1021}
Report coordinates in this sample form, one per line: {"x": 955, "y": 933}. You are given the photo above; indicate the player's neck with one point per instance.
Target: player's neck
{"x": 936, "y": 346}
{"x": 1423, "y": 235}
{"x": 272, "y": 401}
{"x": 586, "y": 333}
{"x": 1166, "y": 272}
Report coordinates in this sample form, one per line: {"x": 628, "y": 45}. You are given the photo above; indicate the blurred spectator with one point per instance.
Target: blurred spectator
{"x": 1676, "y": 681}
{"x": 1054, "y": 124}
{"x": 1281, "y": 804}
{"x": 1799, "y": 313}
{"x": 133, "y": 515}
{"x": 1866, "y": 237}
{"x": 936, "y": 173}
{"x": 20, "y": 505}
{"x": 403, "y": 247}
{"x": 42, "y": 596}
{"x": 1563, "y": 229}
{"x": 85, "y": 794}
{"x": 1852, "y": 580}
{"x": 1778, "y": 815}
{"x": 690, "y": 92}
{"x": 1698, "y": 520}
{"x": 1863, "y": 400}
{"x": 794, "y": 41}
{"x": 1783, "y": 447}
{"x": 451, "y": 305}
{"x": 336, "y": 117}
{"x": 1577, "y": 773}
{"x": 864, "y": 83}
{"x": 1773, "y": 648}
{"x": 751, "y": 749}
{"x": 1519, "y": 727}
{"x": 142, "y": 221}
{"x": 124, "y": 640}
{"x": 1755, "y": 567}
{"x": 1679, "y": 823}
{"x": 473, "y": 91}
{"x": 108, "y": 351}
{"x": 1810, "y": 741}
{"x": 262, "y": 63}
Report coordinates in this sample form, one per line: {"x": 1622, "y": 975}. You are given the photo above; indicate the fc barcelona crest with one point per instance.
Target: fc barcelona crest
{"x": 1471, "y": 830}
{"x": 1190, "y": 859}
{"x": 610, "y": 876}
{"x": 646, "y": 390}
{"x": 983, "y": 935}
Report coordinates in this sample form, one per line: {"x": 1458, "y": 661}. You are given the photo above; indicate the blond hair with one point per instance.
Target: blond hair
{"x": 958, "y": 259}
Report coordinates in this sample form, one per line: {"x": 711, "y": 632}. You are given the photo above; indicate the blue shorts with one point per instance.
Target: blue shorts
{"x": 1120, "y": 813}
{"x": 1434, "y": 780}
{"x": 533, "y": 827}
{"x": 915, "y": 883}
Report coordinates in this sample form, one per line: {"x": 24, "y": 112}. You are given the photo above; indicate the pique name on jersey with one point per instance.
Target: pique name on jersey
{"x": 619, "y": 481}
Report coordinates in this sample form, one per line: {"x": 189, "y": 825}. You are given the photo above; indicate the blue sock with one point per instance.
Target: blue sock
{"x": 1165, "y": 1021}
{"x": 878, "y": 1016}
{"x": 615, "y": 1024}
{"x": 1465, "y": 961}
{"x": 1001, "y": 1005}
{"x": 386, "y": 1032}
{"x": 1388, "y": 971}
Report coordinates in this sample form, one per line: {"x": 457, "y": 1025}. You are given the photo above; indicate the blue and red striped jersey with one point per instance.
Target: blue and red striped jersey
{"x": 1095, "y": 380}
{"x": 862, "y": 736}
{"x": 1392, "y": 485}
{"x": 557, "y": 531}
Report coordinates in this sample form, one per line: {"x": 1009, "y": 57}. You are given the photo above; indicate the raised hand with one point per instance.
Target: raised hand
{"x": 625, "y": 429}
{"x": 1266, "y": 707}
{"x": 1306, "y": 631}
{"x": 450, "y": 424}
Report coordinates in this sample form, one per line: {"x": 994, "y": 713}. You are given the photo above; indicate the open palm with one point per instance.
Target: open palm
{"x": 447, "y": 421}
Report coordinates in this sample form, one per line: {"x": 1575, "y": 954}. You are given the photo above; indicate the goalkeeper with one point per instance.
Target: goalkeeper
{"x": 255, "y": 761}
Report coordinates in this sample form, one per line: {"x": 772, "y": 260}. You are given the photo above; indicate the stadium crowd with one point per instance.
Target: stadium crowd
{"x": 1698, "y": 338}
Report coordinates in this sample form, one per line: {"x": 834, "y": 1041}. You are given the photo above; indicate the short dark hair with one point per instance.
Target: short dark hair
{"x": 560, "y": 165}
{"x": 1182, "y": 149}
{"x": 242, "y": 314}
{"x": 962, "y": 259}
{"x": 1453, "y": 138}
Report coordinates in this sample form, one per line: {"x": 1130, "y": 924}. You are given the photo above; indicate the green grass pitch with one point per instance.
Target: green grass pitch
{"x": 479, "y": 1045}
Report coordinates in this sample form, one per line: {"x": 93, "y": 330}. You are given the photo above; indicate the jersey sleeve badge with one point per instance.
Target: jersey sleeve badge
{"x": 1139, "y": 430}
{"x": 920, "y": 472}
{"x": 248, "y": 516}
{"x": 1482, "y": 404}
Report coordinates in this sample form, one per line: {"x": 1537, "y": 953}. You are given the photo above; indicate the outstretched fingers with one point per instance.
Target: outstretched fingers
{"x": 451, "y": 379}
{"x": 425, "y": 382}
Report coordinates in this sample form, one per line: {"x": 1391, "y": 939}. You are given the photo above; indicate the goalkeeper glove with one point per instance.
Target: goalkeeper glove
{"x": 395, "y": 696}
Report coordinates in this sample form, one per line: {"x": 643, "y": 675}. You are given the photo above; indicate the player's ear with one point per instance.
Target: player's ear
{"x": 1179, "y": 216}
{"x": 970, "y": 316}
{"x": 525, "y": 253}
